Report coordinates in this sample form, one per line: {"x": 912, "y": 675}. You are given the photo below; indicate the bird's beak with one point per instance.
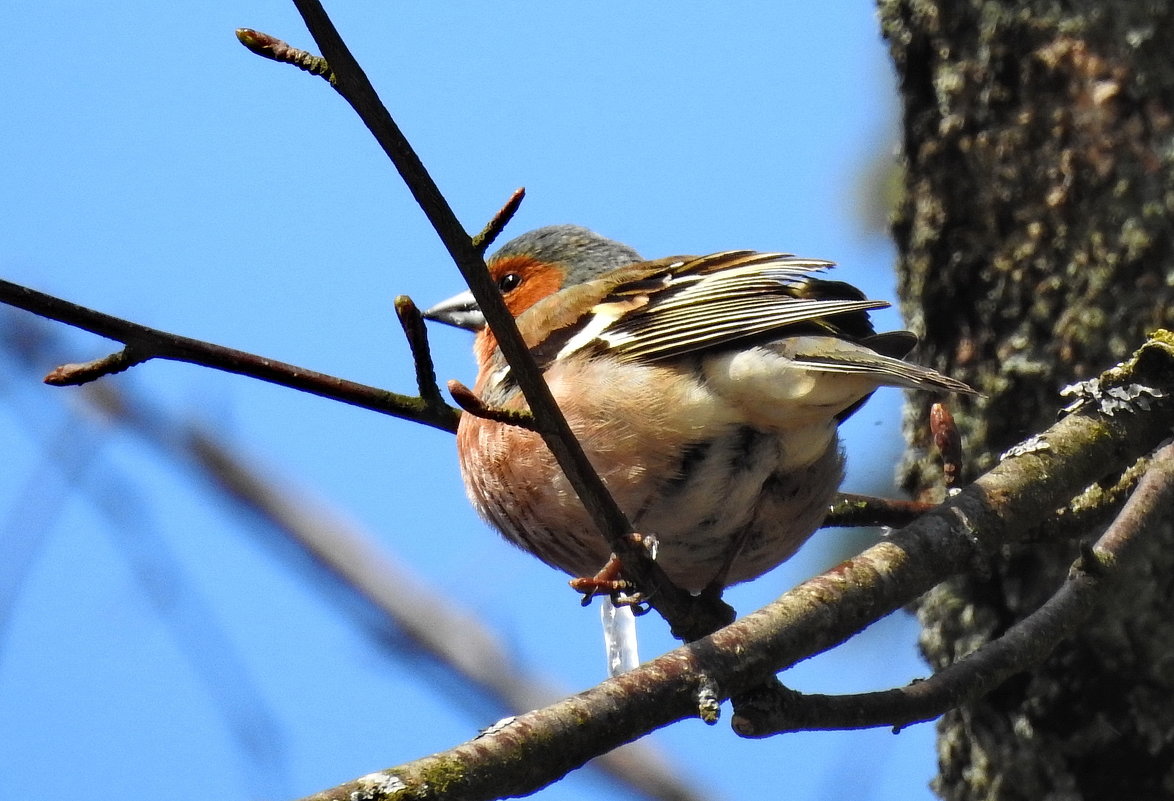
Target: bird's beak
{"x": 460, "y": 311}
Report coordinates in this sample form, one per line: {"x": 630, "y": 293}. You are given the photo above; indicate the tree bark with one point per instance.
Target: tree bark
{"x": 1036, "y": 243}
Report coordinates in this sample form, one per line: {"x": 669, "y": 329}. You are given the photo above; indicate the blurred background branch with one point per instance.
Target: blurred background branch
{"x": 410, "y": 622}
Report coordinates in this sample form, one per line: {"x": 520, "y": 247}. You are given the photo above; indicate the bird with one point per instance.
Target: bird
{"x": 706, "y": 392}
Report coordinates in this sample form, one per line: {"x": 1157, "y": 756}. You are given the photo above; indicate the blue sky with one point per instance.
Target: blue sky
{"x": 155, "y": 640}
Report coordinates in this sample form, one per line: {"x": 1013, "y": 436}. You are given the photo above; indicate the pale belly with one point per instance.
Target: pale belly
{"x": 718, "y": 493}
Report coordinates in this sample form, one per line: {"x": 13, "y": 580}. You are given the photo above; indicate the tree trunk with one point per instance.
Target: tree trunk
{"x": 1036, "y": 250}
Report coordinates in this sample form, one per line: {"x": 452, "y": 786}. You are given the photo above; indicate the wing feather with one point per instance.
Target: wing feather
{"x": 900, "y": 373}
{"x": 720, "y": 300}
{"x": 688, "y": 330}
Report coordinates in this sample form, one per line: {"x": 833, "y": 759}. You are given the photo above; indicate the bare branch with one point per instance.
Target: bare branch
{"x": 143, "y": 343}
{"x": 849, "y": 510}
{"x": 468, "y": 401}
{"x": 493, "y": 229}
{"x": 277, "y": 50}
{"x": 68, "y": 375}
{"x": 417, "y": 335}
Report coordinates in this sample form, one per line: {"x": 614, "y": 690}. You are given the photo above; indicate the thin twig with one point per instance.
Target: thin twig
{"x": 469, "y": 402}
{"x": 494, "y": 227}
{"x": 72, "y": 375}
{"x": 850, "y": 510}
{"x": 150, "y": 343}
{"x": 417, "y": 335}
{"x": 273, "y": 48}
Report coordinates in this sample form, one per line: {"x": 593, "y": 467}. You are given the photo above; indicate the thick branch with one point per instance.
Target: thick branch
{"x": 529, "y": 751}
{"x": 1096, "y": 574}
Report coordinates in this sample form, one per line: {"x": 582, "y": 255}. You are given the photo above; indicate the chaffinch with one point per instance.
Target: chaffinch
{"x": 705, "y": 391}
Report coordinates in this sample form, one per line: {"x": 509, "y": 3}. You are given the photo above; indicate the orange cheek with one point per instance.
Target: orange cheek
{"x": 538, "y": 281}
{"x": 533, "y": 288}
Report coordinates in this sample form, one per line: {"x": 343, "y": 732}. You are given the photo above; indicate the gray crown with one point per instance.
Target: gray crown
{"x": 583, "y": 252}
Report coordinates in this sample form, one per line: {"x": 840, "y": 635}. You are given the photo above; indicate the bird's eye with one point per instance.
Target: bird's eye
{"x": 508, "y": 281}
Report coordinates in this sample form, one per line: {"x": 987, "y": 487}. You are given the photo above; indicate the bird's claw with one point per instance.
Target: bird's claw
{"x": 608, "y": 582}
